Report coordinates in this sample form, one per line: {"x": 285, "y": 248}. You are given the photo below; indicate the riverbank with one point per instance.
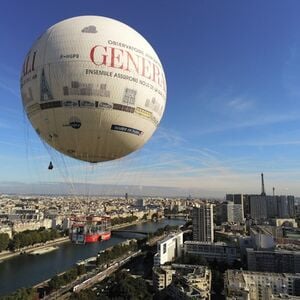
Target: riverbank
{"x": 43, "y": 251}
{"x": 8, "y": 254}
{"x": 14, "y": 272}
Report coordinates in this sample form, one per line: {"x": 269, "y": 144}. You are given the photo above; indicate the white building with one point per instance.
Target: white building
{"x": 47, "y": 223}
{"x": 66, "y": 224}
{"x": 168, "y": 249}
{"x": 262, "y": 240}
{"x": 246, "y": 285}
{"x": 238, "y": 208}
{"x": 23, "y": 226}
{"x": 203, "y": 226}
{"x": 288, "y": 222}
{"x": 57, "y": 222}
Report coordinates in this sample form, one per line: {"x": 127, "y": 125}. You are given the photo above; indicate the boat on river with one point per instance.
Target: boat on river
{"x": 90, "y": 229}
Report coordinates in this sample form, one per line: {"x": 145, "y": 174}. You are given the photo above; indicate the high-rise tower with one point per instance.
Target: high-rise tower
{"x": 203, "y": 226}
{"x": 263, "y": 193}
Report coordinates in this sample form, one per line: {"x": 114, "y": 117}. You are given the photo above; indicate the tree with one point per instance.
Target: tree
{"x": 35, "y": 237}
{"x": 4, "y": 241}
{"x": 70, "y": 275}
{"x": 16, "y": 243}
{"x": 22, "y": 294}
{"x": 55, "y": 283}
{"x": 236, "y": 264}
{"x": 126, "y": 287}
{"x": 81, "y": 269}
{"x": 86, "y": 295}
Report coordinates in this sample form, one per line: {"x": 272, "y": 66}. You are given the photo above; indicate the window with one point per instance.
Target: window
{"x": 164, "y": 248}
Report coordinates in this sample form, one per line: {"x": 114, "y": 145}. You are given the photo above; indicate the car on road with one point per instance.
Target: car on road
{"x": 104, "y": 105}
{"x": 70, "y": 103}
{"x": 84, "y": 103}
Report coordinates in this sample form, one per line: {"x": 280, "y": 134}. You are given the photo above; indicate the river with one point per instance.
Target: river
{"x": 28, "y": 270}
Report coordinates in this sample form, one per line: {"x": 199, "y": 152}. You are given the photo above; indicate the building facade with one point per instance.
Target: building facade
{"x": 258, "y": 207}
{"x": 219, "y": 251}
{"x": 162, "y": 277}
{"x": 235, "y": 213}
{"x": 278, "y": 260}
{"x": 203, "y": 226}
{"x": 264, "y": 207}
{"x": 192, "y": 281}
{"x": 140, "y": 202}
{"x": 291, "y": 206}
{"x": 246, "y": 285}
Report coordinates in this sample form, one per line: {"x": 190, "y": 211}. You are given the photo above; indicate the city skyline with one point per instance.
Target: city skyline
{"x": 232, "y": 76}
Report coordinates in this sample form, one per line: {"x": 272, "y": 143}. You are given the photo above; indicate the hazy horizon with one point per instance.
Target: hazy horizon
{"x": 232, "y": 71}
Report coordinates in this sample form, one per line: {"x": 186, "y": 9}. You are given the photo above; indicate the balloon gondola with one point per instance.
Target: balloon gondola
{"x": 50, "y": 167}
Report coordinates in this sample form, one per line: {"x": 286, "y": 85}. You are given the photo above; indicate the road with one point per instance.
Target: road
{"x": 89, "y": 279}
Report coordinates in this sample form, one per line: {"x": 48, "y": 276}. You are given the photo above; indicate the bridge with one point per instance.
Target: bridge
{"x": 178, "y": 216}
{"x": 129, "y": 231}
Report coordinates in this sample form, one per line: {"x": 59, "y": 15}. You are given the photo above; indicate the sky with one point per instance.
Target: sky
{"x": 233, "y": 102}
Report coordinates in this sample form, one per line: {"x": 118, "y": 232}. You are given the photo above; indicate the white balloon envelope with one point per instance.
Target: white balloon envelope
{"x": 93, "y": 88}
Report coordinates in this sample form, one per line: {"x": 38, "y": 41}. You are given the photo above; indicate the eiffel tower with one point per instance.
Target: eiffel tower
{"x": 45, "y": 90}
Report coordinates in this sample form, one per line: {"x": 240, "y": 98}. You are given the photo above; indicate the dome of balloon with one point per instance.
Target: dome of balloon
{"x": 93, "y": 88}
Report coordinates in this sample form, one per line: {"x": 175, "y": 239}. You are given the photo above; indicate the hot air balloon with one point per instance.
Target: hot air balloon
{"x": 93, "y": 88}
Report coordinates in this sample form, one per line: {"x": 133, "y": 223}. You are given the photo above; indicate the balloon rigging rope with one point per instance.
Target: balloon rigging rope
{"x": 26, "y": 137}
{"x": 66, "y": 176}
